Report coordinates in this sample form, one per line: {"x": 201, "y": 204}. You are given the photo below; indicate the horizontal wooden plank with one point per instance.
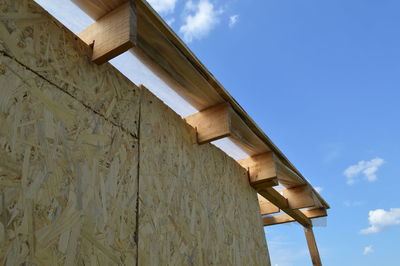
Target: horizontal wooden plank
{"x": 211, "y": 124}
{"x": 98, "y": 8}
{"x": 266, "y": 207}
{"x": 297, "y": 198}
{"x": 261, "y": 167}
{"x": 281, "y": 219}
{"x": 221, "y": 121}
{"x": 300, "y": 197}
{"x": 113, "y": 34}
{"x": 282, "y": 203}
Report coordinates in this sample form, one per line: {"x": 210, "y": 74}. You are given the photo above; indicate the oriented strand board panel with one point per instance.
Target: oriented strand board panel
{"x": 36, "y": 40}
{"x": 68, "y": 178}
{"x": 196, "y": 206}
{"x": 69, "y": 163}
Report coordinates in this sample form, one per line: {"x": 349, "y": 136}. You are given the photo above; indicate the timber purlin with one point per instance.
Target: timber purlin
{"x": 123, "y": 25}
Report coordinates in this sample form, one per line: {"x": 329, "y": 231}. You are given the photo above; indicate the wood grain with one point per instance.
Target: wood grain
{"x": 196, "y": 206}
{"x": 211, "y": 124}
{"x": 266, "y": 207}
{"x": 113, "y": 34}
{"x": 312, "y": 247}
{"x": 300, "y": 197}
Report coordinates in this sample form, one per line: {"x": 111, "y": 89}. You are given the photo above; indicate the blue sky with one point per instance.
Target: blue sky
{"x": 322, "y": 79}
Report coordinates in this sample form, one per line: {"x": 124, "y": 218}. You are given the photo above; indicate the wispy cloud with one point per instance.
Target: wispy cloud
{"x": 354, "y": 203}
{"x": 380, "y": 219}
{"x": 170, "y": 21}
{"x": 163, "y": 6}
{"x": 367, "y": 168}
{"x": 331, "y": 152}
{"x": 319, "y": 189}
{"x": 368, "y": 249}
{"x": 284, "y": 252}
{"x": 200, "y": 19}
{"x": 233, "y": 20}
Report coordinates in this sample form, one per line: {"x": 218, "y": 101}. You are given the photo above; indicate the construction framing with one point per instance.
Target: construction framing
{"x": 123, "y": 25}
{"x": 219, "y": 115}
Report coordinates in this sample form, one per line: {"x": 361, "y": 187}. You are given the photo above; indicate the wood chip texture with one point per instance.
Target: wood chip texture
{"x": 95, "y": 170}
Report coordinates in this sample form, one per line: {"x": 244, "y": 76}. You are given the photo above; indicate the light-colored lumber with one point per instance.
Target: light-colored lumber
{"x": 267, "y": 165}
{"x": 266, "y": 207}
{"x": 281, "y": 219}
{"x": 281, "y": 202}
{"x": 261, "y": 168}
{"x": 113, "y": 34}
{"x": 299, "y": 197}
{"x": 222, "y": 121}
{"x": 211, "y": 124}
{"x": 98, "y": 8}
{"x": 312, "y": 247}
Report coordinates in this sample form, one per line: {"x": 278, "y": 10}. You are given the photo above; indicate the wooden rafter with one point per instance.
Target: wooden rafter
{"x": 297, "y": 198}
{"x": 281, "y": 219}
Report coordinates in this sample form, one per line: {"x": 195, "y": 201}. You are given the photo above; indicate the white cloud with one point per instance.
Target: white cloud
{"x": 170, "y": 21}
{"x": 368, "y": 249}
{"x": 380, "y": 219}
{"x": 285, "y": 252}
{"x": 233, "y": 20}
{"x": 163, "y": 6}
{"x": 367, "y": 168}
{"x": 200, "y": 19}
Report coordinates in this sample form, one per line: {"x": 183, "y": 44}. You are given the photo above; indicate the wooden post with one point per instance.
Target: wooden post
{"x": 312, "y": 246}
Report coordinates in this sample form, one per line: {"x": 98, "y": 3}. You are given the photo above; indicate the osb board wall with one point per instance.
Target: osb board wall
{"x": 37, "y": 41}
{"x": 71, "y": 151}
{"x": 67, "y": 177}
{"x": 196, "y": 206}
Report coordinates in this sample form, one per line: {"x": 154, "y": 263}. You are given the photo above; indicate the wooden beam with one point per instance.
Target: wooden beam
{"x": 274, "y": 197}
{"x": 113, "y": 34}
{"x": 300, "y": 197}
{"x": 281, "y": 202}
{"x": 221, "y": 121}
{"x": 312, "y": 246}
{"x": 267, "y": 165}
{"x": 281, "y": 219}
{"x": 297, "y": 198}
{"x": 212, "y": 123}
{"x": 266, "y": 207}
{"x": 98, "y": 8}
{"x": 261, "y": 167}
